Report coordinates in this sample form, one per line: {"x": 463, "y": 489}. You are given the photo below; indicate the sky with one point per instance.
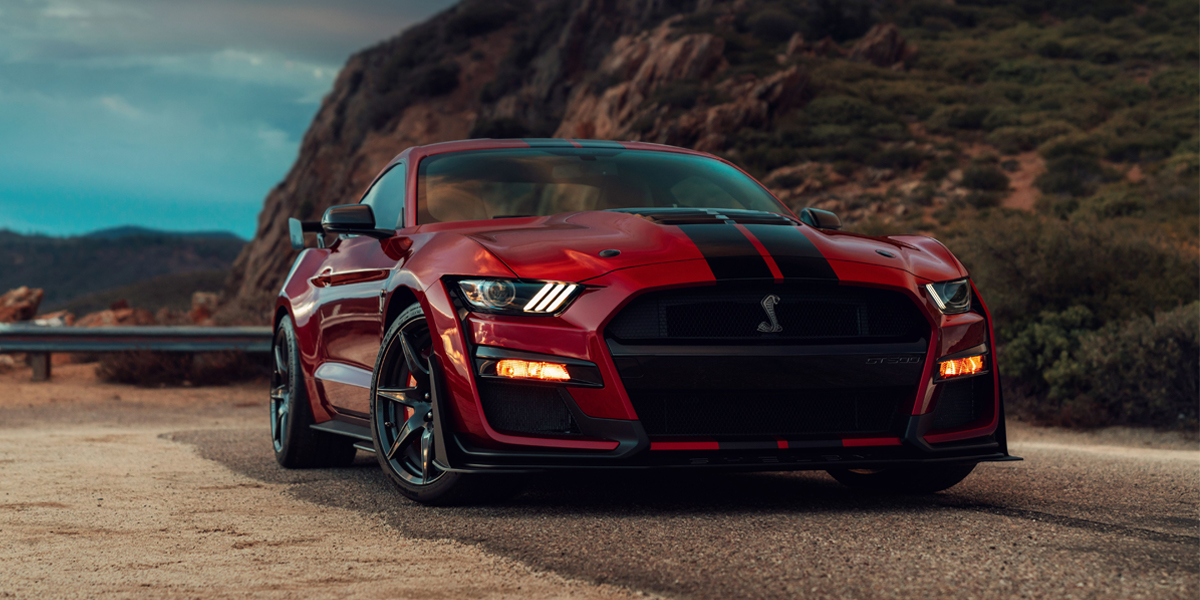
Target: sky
{"x": 171, "y": 114}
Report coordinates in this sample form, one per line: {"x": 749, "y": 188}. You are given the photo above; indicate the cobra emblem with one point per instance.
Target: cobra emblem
{"x": 773, "y": 325}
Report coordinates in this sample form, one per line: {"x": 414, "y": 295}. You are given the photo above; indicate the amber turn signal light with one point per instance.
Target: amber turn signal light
{"x": 528, "y": 369}
{"x": 961, "y": 367}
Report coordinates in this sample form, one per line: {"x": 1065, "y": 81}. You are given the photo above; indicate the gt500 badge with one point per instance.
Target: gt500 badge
{"x": 894, "y": 360}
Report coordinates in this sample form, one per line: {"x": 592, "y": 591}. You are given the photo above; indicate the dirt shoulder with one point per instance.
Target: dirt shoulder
{"x": 117, "y": 509}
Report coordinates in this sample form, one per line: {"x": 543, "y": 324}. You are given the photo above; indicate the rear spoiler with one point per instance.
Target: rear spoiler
{"x": 297, "y": 229}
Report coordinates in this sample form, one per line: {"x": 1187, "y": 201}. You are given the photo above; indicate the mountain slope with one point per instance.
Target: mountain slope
{"x": 901, "y": 116}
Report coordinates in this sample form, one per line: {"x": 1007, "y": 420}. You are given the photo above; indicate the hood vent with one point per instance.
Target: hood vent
{"x": 703, "y": 216}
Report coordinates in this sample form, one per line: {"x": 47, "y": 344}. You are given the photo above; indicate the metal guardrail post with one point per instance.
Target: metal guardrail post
{"x": 40, "y": 362}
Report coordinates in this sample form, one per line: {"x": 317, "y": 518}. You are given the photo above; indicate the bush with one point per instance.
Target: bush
{"x": 145, "y": 368}
{"x": 845, "y": 110}
{"x": 1074, "y": 175}
{"x": 436, "y": 80}
{"x": 1144, "y": 371}
{"x": 773, "y": 25}
{"x": 985, "y": 177}
{"x": 1026, "y": 264}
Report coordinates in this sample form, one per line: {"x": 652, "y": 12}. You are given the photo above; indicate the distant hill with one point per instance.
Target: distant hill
{"x": 71, "y": 267}
{"x": 173, "y": 290}
{"x": 135, "y": 231}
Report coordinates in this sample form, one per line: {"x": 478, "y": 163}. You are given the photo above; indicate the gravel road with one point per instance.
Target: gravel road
{"x": 1102, "y": 515}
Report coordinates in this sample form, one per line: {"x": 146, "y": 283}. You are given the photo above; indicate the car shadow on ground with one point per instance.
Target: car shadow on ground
{"x": 362, "y": 486}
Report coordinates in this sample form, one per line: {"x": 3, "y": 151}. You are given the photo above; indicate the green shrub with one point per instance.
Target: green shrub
{"x": 985, "y": 177}
{"x": 1144, "y": 371}
{"x": 1028, "y": 264}
{"x": 477, "y": 17}
{"x": 1074, "y": 175}
{"x": 1039, "y": 347}
{"x": 435, "y": 81}
{"x": 773, "y": 25}
{"x": 145, "y": 368}
{"x": 846, "y": 110}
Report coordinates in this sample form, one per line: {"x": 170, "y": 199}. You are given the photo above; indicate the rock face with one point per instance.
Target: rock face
{"x": 883, "y": 46}
{"x": 121, "y": 316}
{"x": 608, "y": 69}
{"x": 20, "y": 304}
{"x": 477, "y": 66}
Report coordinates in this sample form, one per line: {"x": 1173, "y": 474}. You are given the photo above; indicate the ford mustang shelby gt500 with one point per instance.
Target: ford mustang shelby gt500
{"x": 506, "y": 306}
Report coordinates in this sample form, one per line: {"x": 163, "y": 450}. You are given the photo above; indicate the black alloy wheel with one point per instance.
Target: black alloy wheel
{"x": 403, "y": 413}
{"x": 296, "y": 444}
{"x": 402, "y": 424}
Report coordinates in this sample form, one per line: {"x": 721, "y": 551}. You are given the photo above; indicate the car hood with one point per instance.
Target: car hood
{"x": 568, "y": 247}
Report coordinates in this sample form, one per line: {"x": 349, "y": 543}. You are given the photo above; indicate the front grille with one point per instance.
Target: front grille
{"x": 822, "y": 412}
{"x": 964, "y": 402}
{"x": 525, "y": 408}
{"x": 810, "y": 314}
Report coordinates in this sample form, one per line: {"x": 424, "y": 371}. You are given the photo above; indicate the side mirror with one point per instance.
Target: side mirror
{"x": 297, "y": 229}
{"x": 353, "y": 219}
{"x": 821, "y": 219}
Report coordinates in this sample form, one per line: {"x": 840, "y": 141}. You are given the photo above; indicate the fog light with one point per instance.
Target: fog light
{"x": 961, "y": 367}
{"x": 528, "y": 369}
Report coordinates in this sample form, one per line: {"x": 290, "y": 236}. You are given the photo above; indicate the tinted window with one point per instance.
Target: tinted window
{"x": 386, "y": 198}
{"x": 485, "y": 184}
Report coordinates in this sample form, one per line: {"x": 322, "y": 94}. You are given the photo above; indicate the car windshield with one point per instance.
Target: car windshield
{"x": 486, "y": 184}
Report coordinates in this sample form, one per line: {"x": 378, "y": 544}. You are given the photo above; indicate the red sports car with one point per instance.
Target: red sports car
{"x": 492, "y": 307}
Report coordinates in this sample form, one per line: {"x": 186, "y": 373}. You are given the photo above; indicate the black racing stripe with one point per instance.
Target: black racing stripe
{"x": 794, "y": 254}
{"x": 729, "y": 253}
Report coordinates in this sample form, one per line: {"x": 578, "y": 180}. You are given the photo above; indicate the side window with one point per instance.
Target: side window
{"x": 386, "y": 198}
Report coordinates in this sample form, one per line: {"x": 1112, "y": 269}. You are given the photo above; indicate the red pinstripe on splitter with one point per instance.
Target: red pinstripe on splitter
{"x": 575, "y": 143}
{"x": 871, "y": 442}
{"x": 684, "y": 446}
{"x": 782, "y": 443}
{"x": 775, "y": 272}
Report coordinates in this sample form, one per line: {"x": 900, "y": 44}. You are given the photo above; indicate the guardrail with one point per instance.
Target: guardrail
{"x": 39, "y": 341}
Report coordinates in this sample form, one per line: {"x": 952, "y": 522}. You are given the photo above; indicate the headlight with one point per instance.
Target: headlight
{"x": 951, "y": 297}
{"x": 518, "y": 298}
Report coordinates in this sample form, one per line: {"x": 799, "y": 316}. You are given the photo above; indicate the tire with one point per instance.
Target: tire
{"x": 912, "y": 480}
{"x": 296, "y": 444}
{"x": 401, "y": 421}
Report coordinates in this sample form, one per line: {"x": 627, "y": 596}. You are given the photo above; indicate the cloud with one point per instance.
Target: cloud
{"x": 167, "y": 113}
{"x": 119, "y": 106}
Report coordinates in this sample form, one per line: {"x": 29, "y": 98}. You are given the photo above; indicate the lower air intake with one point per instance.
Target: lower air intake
{"x": 964, "y": 402}
{"x": 535, "y": 409}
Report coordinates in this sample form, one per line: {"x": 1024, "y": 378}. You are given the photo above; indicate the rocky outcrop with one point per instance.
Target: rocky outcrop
{"x": 120, "y": 316}
{"x": 883, "y": 46}
{"x": 609, "y": 69}
{"x": 20, "y": 304}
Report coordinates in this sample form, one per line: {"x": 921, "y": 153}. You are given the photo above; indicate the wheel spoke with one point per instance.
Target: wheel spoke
{"x": 417, "y": 367}
{"x": 398, "y": 396}
{"x": 279, "y": 393}
{"x": 413, "y": 427}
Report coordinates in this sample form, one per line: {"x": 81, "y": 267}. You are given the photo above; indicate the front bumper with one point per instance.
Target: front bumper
{"x": 607, "y": 432}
